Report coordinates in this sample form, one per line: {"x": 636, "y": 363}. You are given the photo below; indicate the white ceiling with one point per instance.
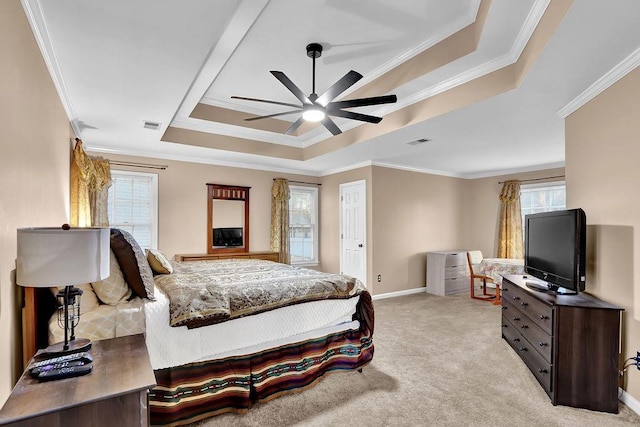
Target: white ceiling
{"x": 118, "y": 63}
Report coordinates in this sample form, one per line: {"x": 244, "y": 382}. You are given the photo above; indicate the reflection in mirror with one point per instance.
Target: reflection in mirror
{"x": 227, "y": 219}
{"x": 228, "y": 223}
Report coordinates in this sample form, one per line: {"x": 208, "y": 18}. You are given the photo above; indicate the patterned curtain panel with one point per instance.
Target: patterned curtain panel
{"x": 280, "y": 219}
{"x": 90, "y": 182}
{"x": 510, "y": 232}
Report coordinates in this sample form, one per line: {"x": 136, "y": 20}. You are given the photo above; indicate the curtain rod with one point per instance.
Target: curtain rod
{"x": 138, "y": 165}
{"x": 302, "y": 182}
{"x": 535, "y": 179}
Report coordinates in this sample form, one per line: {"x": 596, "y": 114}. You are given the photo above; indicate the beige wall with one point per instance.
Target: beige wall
{"x": 34, "y": 167}
{"x": 182, "y": 201}
{"x": 483, "y": 209}
{"x": 602, "y": 153}
{"x": 413, "y": 213}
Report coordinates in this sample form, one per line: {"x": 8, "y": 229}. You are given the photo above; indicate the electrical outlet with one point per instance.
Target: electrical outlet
{"x": 380, "y": 280}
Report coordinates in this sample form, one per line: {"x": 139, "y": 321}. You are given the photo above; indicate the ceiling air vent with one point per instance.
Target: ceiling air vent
{"x": 418, "y": 141}
{"x": 151, "y": 125}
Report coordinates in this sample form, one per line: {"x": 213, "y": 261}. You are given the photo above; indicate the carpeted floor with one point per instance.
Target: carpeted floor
{"x": 439, "y": 361}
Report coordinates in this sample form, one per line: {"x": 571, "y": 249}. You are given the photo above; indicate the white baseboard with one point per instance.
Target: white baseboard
{"x": 400, "y": 293}
{"x": 630, "y": 401}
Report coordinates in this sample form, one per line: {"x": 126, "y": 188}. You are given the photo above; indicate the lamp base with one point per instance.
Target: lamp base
{"x": 57, "y": 349}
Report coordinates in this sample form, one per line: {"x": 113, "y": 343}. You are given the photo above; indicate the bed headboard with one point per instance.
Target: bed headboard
{"x": 39, "y": 304}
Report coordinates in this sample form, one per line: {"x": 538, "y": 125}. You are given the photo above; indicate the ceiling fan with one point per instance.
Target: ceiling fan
{"x": 316, "y": 108}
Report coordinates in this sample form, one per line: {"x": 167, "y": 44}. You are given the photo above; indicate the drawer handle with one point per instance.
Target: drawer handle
{"x": 524, "y": 304}
{"x": 542, "y": 371}
{"x": 504, "y": 326}
{"x": 516, "y": 318}
{"x": 523, "y": 349}
{"x": 542, "y": 344}
{"x": 504, "y": 307}
{"x": 543, "y": 317}
{"x": 516, "y": 340}
{"x": 516, "y": 298}
{"x": 505, "y": 289}
{"x": 524, "y": 326}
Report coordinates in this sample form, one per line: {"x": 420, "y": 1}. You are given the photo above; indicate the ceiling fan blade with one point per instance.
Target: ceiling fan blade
{"x": 294, "y": 126}
{"x": 291, "y": 86}
{"x": 338, "y": 87}
{"x": 267, "y": 101}
{"x": 331, "y": 127}
{"x": 362, "y": 102}
{"x": 271, "y": 115}
{"x": 355, "y": 116}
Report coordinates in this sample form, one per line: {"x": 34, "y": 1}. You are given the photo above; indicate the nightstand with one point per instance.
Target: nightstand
{"x": 113, "y": 394}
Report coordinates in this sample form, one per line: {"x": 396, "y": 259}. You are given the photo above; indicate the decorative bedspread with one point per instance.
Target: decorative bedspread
{"x": 207, "y": 292}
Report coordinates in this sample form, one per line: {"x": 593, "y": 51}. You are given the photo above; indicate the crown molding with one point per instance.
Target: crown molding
{"x": 530, "y": 24}
{"x": 33, "y": 11}
{"x": 234, "y": 131}
{"x": 196, "y": 159}
{"x": 417, "y": 169}
{"x": 328, "y": 172}
{"x": 616, "y": 73}
{"x": 501, "y": 172}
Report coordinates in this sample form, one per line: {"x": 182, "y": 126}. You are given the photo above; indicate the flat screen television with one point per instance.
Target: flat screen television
{"x": 555, "y": 250}
{"x": 228, "y": 237}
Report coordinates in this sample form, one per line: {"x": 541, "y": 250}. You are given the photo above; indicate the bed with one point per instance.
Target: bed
{"x": 254, "y": 331}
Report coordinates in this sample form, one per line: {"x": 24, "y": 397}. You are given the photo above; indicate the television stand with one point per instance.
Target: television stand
{"x": 569, "y": 342}
{"x": 542, "y": 286}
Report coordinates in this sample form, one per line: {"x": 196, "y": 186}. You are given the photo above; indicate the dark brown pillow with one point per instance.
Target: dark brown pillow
{"x": 133, "y": 263}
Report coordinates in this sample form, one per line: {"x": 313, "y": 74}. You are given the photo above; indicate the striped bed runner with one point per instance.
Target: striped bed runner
{"x": 188, "y": 393}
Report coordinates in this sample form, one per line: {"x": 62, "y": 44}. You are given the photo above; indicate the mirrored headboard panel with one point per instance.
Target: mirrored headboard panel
{"x": 227, "y": 218}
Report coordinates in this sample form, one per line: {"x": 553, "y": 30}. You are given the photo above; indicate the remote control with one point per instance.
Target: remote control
{"x": 72, "y": 371}
{"x": 66, "y": 358}
{"x": 36, "y": 371}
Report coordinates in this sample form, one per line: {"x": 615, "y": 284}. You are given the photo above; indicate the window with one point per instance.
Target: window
{"x": 303, "y": 229}
{"x": 547, "y": 197}
{"x": 133, "y": 205}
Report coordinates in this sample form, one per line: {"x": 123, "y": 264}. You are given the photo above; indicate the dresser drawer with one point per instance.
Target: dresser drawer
{"x": 452, "y": 272}
{"x": 536, "y": 336}
{"x": 456, "y": 259}
{"x": 540, "y": 313}
{"x": 540, "y": 368}
{"x": 456, "y": 285}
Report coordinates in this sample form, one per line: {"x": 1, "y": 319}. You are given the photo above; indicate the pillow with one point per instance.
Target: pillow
{"x": 158, "y": 262}
{"x": 112, "y": 290}
{"x": 133, "y": 263}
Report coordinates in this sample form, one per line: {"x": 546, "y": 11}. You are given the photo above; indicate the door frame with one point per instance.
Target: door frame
{"x": 362, "y": 182}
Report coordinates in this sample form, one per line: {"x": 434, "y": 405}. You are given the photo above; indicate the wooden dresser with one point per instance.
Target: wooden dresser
{"x": 269, "y": 256}
{"x": 115, "y": 393}
{"x": 569, "y": 342}
{"x": 447, "y": 272}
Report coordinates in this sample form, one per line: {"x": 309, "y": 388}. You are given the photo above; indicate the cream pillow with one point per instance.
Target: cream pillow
{"x": 89, "y": 300}
{"x": 158, "y": 262}
{"x": 112, "y": 290}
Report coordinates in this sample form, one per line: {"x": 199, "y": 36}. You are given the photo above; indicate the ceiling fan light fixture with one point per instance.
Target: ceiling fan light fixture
{"x": 313, "y": 114}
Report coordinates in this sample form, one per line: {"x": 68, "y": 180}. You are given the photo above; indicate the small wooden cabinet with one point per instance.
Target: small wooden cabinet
{"x": 447, "y": 272}
{"x": 569, "y": 342}
{"x": 115, "y": 393}
{"x": 268, "y": 256}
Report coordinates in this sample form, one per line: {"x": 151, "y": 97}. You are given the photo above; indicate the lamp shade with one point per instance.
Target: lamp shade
{"x": 58, "y": 257}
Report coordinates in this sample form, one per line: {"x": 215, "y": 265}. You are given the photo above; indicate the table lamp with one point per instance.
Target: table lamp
{"x": 64, "y": 256}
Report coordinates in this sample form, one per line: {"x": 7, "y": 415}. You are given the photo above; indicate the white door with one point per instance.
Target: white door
{"x": 353, "y": 230}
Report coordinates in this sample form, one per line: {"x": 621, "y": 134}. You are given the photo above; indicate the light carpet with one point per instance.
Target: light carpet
{"x": 439, "y": 361}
